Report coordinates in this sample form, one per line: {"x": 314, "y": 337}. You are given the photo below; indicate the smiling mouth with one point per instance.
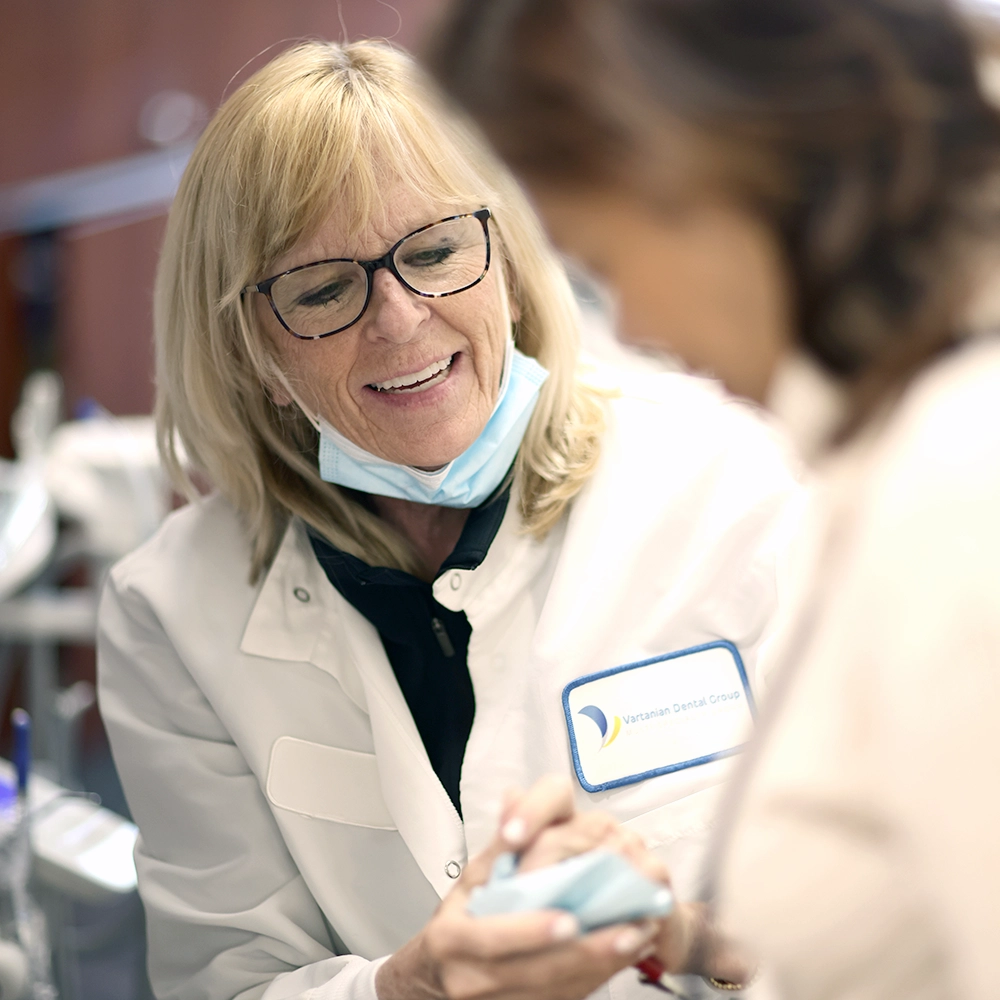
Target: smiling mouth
{"x": 416, "y": 381}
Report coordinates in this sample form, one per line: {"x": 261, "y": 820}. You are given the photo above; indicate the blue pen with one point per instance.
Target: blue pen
{"x": 21, "y": 722}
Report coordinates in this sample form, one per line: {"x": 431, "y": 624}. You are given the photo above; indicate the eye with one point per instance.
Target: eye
{"x": 332, "y": 291}
{"x": 429, "y": 257}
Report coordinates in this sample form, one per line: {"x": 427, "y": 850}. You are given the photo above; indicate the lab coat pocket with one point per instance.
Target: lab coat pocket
{"x": 327, "y": 783}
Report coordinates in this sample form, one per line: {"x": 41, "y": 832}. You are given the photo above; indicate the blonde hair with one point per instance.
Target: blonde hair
{"x": 322, "y": 123}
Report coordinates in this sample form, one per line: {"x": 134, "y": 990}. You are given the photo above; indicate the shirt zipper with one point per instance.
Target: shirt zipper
{"x": 444, "y": 640}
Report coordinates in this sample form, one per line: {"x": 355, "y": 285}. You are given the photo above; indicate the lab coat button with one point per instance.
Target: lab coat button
{"x": 453, "y": 869}
{"x": 456, "y": 581}
{"x": 302, "y": 594}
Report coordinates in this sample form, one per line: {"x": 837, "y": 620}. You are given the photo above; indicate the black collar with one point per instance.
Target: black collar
{"x": 477, "y": 536}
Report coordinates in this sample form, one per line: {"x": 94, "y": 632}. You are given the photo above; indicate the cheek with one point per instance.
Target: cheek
{"x": 487, "y": 325}
{"x": 319, "y": 371}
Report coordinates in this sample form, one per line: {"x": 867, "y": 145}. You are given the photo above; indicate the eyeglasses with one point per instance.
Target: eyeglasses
{"x": 323, "y": 298}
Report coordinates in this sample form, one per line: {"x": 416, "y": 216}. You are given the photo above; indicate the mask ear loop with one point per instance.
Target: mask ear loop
{"x": 508, "y": 356}
{"x": 306, "y": 412}
{"x": 274, "y": 370}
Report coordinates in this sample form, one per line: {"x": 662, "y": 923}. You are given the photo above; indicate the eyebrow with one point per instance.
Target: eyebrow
{"x": 387, "y": 244}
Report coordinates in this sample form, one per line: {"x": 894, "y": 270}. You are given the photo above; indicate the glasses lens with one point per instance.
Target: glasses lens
{"x": 446, "y": 257}
{"x": 321, "y": 298}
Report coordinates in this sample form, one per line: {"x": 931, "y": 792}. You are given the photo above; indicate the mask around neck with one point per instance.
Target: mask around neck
{"x": 467, "y": 480}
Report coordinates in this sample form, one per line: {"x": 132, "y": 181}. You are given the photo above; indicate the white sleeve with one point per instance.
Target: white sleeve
{"x": 940, "y": 702}
{"x": 228, "y": 913}
{"x": 864, "y": 861}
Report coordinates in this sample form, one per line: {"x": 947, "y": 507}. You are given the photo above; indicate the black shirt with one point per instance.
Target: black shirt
{"x": 426, "y": 644}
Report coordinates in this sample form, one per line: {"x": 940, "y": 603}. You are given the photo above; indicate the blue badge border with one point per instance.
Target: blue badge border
{"x": 632, "y": 779}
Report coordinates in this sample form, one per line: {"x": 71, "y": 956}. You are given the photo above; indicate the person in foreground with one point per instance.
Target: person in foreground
{"x": 428, "y": 537}
{"x": 844, "y": 150}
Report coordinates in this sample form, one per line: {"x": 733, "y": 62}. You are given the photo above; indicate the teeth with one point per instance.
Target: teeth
{"x": 409, "y": 381}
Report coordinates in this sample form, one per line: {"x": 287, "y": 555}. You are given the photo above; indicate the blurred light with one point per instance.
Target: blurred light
{"x": 171, "y": 115}
{"x": 144, "y": 182}
{"x": 989, "y": 77}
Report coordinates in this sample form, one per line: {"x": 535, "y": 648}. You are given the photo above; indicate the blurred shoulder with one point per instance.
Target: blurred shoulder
{"x": 674, "y": 422}
{"x": 951, "y": 414}
{"x": 934, "y": 465}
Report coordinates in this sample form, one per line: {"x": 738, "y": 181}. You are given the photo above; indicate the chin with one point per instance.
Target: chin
{"x": 424, "y": 457}
{"x": 430, "y": 462}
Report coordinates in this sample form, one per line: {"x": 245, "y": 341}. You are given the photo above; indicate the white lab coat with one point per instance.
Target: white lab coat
{"x": 287, "y": 808}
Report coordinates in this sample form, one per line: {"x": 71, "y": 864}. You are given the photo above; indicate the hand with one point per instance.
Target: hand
{"x": 693, "y": 944}
{"x": 531, "y": 956}
{"x": 524, "y": 829}
{"x": 541, "y": 825}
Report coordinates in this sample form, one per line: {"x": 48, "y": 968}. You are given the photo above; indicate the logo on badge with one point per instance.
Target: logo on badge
{"x": 601, "y": 720}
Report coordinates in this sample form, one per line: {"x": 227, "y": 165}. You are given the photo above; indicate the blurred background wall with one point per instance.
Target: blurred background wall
{"x": 88, "y": 82}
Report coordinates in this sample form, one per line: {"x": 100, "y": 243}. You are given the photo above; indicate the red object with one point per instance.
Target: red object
{"x": 651, "y": 968}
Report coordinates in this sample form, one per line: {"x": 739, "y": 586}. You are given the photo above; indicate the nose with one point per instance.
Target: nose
{"x": 394, "y": 312}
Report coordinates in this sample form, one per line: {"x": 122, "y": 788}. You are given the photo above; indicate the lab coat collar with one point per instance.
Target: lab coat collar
{"x": 512, "y": 557}
{"x": 810, "y": 404}
{"x": 290, "y": 616}
{"x": 299, "y": 616}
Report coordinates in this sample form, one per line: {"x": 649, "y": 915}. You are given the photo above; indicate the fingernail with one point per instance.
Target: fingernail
{"x": 514, "y": 831}
{"x": 565, "y": 927}
{"x": 650, "y": 949}
{"x": 633, "y": 938}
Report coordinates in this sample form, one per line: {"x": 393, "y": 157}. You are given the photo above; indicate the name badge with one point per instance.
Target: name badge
{"x": 640, "y": 720}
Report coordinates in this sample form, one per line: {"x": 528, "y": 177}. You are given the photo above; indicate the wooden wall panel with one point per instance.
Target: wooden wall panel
{"x": 105, "y": 343}
{"x": 74, "y": 74}
{"x": 74, "y": 77}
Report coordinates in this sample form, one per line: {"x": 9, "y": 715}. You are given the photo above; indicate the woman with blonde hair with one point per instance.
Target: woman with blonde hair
{"x": 427, "y": 536}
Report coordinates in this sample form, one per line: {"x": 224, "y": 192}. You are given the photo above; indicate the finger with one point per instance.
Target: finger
{"x": 627, "y": 843}
{"x": 548, "y": 801}
{"x": 457, "y": 934}
{"x": 509, "y": 799}
{"x": 631, "y": 846}
{"x": 693, "y": 943}
{"x": 573, "y": 969}
{"x": 584, "y": 832}
{"x": 477, "y": 869}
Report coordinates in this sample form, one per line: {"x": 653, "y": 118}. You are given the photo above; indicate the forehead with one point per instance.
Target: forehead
{"x": 399, "y": 211}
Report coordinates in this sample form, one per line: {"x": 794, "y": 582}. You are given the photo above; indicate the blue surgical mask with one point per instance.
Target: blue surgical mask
{"x": 466, "y": 481}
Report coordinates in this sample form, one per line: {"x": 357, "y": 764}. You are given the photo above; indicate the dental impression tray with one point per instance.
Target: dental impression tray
{"x": 598, "y": 888}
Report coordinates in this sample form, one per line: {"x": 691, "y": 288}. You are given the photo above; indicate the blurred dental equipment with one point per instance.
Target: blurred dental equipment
{"x": 25, "y": 959}
{"x": 27, "y": 515}
{"x": 78, "y": 495}
{"x": 103, "y": 472}
{"x": 55, "y": 839}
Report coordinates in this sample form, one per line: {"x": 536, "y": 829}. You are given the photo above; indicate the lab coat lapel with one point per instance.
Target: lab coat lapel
{"x": 300, "y": 616}
{"x": 420, "y": 806}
